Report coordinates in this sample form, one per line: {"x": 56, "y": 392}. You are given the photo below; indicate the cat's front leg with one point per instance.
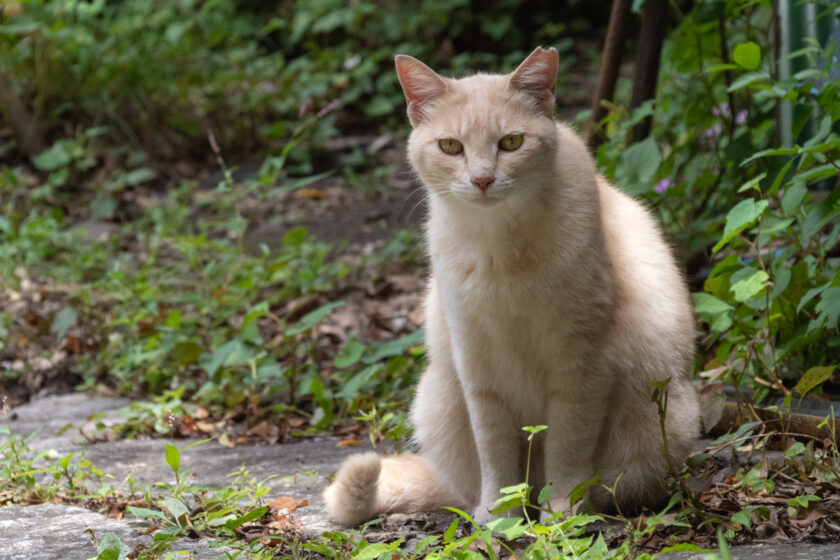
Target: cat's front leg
{"x": 499, "y": 444}
{"x": 575, "y": 416}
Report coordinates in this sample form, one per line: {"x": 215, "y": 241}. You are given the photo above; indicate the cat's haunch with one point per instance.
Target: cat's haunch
{"x": 553, "y": 300}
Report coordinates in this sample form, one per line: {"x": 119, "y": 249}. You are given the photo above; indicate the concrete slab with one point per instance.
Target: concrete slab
{"x": 298, "y": 470}
{"x": 61, "y": 532}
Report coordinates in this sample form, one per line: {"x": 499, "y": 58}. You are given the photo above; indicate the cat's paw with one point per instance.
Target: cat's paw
{"x": 482, "y": 515}
{"x": 558, "y": 505}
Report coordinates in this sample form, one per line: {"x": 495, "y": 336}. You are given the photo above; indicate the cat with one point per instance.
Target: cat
{"x": 553, "y": 300}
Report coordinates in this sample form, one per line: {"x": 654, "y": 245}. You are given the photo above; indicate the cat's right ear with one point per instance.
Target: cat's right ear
{"x": 419, "y": 83}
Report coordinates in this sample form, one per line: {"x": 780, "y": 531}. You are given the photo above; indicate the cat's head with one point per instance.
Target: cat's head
{"x": 484, "y": 139}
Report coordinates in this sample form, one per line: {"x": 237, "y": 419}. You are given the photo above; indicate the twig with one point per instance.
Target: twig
{"x": 610, "y": 63}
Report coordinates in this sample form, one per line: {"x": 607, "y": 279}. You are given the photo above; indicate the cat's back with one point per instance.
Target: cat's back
{"x": 652, "y": 303}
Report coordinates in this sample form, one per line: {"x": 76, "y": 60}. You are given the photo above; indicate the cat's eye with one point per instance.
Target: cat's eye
{"x": 510, "y": 142}
{"x": 451, "y": 146}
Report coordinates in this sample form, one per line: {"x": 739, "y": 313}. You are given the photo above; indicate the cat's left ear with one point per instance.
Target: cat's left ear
{"x": 419, "y": 83}
{"x": 536, "y": 76}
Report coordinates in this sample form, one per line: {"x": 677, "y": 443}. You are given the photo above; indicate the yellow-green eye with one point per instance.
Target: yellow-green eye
{"x": 451, "y": 146}
{"x": 510, "y": 142}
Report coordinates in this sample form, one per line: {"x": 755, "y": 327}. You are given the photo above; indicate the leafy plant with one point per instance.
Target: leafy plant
{"x": 762, "y": 215}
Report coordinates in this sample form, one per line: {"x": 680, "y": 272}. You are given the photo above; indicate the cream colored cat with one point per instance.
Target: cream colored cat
{"x": 553, "y": 300}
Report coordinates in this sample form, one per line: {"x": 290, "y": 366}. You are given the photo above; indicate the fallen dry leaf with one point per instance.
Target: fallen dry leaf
{"x": 285, "y": 505}
{"x": 265, "y": 430}
{"x": 207, "y": 427}
{"x": 348, "y": 442}
{"x": 224, "y": 439}
{"x": 812, "y": 516}
{"x": 311, "y": 193}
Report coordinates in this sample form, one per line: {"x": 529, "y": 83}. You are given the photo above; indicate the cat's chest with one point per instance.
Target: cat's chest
{"x": 499, "y": 286}
{"x": 521, "y": 319}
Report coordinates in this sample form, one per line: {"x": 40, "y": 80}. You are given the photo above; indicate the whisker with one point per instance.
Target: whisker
{"x": 413, "y": 191}
{"x": 415, "y": 207}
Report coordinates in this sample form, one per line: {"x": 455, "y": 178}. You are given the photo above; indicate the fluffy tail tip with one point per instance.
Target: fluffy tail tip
{"x": 351, "y": 498}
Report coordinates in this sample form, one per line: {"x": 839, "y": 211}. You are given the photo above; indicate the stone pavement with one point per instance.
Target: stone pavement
{"x": 56, "y": 531}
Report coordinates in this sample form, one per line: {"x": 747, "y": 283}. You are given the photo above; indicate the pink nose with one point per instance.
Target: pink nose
{"x": 482, "y": 182}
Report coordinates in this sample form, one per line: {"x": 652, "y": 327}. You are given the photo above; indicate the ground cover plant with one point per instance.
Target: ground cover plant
{"x": 173, "y": 134}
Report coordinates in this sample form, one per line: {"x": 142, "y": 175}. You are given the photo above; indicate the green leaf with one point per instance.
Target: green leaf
{"x": 742, "y": 431}
{"x": 250, "y": 327}
{"x": 684, "y": 547}
{"x": 312, "y": 318}
{"x": 771, "y": 152}
{"x": 137, "y": 176}
{"x": 515, "y": 489}
{"x": 637, "y": 166}
{"x": 599, "y": 550}
{"x": 544, "y": 495}
{"x": 349, "y": 354}
{"x": 534, "y": 430}
{"x": 175, "y": 507}
{"x": 811, "y": 294}
{"x": 295, "y": 236}
{"x": 813, "y": 377}
{"x": 829, "y": 307}
{"x": 231, "y": 353}
{"x": 350, "y": 390}
{"x": 747, "y": 283}
{"x": 780, "y": 176}
{"x": 146, "y": 513}
{"x": 424, "y": 543}
{"x": 747, "y": 55}
{"x": 511, "y": 527}
{"x": 579, "y": 491}
{"x": 742, "y": 215}
{"x": 112, "y": 548}
{"x": 173, "y": 458}
{"x": 803, "y": 501}
{"x": 372, "y": 551}
{"x": 753, "y": 183}
{"x": 820, "y": 215}
{"x": 449, "y": 534}
{"x": 723, "y": 546}
{"x": 65, "y": 461}
{"x": 250, "y": 516}
{"x": 57, "y": 155}
{"x": 63, "y": 321}
{"x": 709, "y": 304}
{"x": 395, "y": 347}
{"x": 186, "y": 353}
{"x": 303, "y": 181}
{"x": 714, "y": 311}
{"x": 796, "y": 449}
{"x": 380, "y": 105}
{"x": 747, "y": 79}
{"x": 743, "y": 517}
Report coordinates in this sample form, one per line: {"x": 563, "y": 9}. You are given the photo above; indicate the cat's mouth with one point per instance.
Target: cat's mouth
{"x": 488, "y": 200}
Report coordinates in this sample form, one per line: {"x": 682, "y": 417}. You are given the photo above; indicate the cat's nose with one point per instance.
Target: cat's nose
{"x": 482, "y": 182}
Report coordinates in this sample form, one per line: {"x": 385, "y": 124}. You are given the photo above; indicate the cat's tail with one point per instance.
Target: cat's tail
{"x": 368, "y": 485}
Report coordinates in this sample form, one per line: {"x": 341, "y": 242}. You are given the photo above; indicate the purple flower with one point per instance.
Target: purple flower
{"x": 213, "y": 143}
{"x": 741, "y": 117}
{"x": 722, "y": 110}
{"x": 710, "y": 135}
{"x": 663, "y": 186}
{"x": 329, "y": 108}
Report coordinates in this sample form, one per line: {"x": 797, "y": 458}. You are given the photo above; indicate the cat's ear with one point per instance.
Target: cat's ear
{"x": 419, "y": 83}
{"x": 536, "y": 76}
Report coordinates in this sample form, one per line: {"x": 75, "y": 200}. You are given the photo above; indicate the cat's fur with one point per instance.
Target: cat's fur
{"x": 553, "y": 300}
